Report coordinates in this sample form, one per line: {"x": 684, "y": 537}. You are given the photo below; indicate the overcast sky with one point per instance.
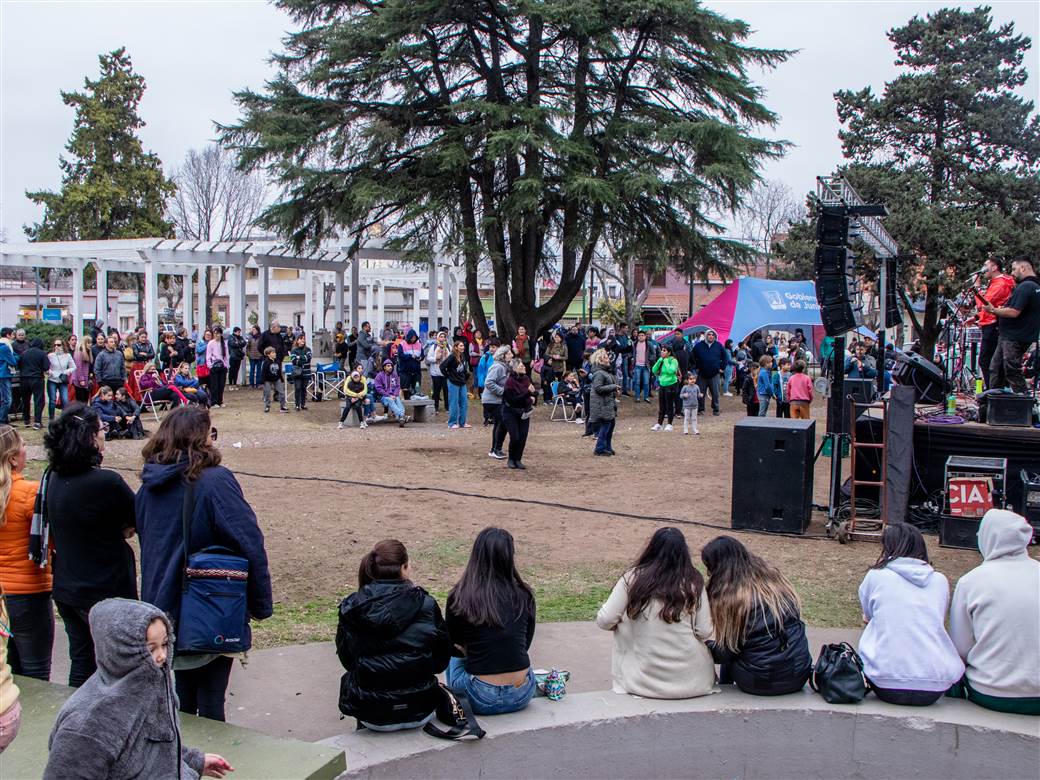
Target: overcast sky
{"x": 194, "y": 54}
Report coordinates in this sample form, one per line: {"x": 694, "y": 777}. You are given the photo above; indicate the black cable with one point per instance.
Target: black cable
{"x": 531, "y": 501}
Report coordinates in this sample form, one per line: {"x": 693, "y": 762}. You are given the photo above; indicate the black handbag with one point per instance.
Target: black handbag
{"x": 455, "y": 712}
{"x": 838, "y": 675}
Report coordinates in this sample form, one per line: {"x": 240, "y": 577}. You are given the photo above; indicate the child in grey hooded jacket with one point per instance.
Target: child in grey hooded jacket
{"x": 122, "y": 723}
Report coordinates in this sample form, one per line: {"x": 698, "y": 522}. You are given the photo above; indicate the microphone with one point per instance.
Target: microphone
{"x": 980, "y": 272}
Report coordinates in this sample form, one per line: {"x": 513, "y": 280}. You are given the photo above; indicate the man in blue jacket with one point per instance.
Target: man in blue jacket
{"x": 709, "y": 358}
{"x": 8, "y": 363}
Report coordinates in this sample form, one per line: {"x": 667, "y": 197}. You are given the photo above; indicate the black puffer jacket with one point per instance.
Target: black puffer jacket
{"x": 392, "y": 641}
{"x": 769, "y": 662}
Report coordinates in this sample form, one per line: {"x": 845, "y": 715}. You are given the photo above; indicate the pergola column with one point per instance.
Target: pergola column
{"x": 151, "y": 302}
{"x": 338, "y": 299}
{"x": 431, "y": 302}
{"x": 77, "y": 300}
{"x": 203, "y": 314}
{"x": 454, "y": 301}
{"x": 355, "y": 291}
{"x": 101, "y": 304}
{"x": 446, "y": 299}
{"x": 308, "y": 303}
{"x": 187, "y": 313}
{"x": 369, "y": 303}
{"x": 237, "y": 299}
{"x": 381, "y": 318}
{"x": 262, "y": 302}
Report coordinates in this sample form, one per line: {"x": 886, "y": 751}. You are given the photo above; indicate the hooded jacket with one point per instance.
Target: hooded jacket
{"x": 456, "y": 369}
{"x": 409, "y": 354}
{"x": 995, "y": 614}
{"x": 122, "y": 723}
{"x": 387, "y": 385}
{"x": 391, "y": 640}
{"x": 771, "y": 660}
{"x": 221, "y": 517}
{"x": 602, "y": 406}
{"x": 495, "y": 382}
{"x": 905, "y": 645}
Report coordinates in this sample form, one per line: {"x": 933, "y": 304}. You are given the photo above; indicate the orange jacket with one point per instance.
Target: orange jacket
{"x": 18, "y": 574}
{"x": 997, "y": 292}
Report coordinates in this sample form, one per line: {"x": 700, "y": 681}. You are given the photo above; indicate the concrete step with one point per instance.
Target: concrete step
{"x": 253, "y": 754}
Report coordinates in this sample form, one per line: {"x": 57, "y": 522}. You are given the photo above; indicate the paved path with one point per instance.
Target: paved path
{"x": 292, "y": 691}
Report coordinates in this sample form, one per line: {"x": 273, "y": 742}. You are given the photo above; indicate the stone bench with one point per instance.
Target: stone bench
{"x": 254, "y": 755}
{"x": 728, "y": 734}
{"x": 419, "y": 409}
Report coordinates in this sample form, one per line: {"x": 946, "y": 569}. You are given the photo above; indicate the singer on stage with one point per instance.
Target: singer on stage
{"x": 998, "y": 290}
{"x": 1019, "y": 322}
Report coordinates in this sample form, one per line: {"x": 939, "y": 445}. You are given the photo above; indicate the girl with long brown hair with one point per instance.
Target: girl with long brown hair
{"x": 391, "y": 640}
{"x": 659, "y": 614}
{"x": 759, "y": 634}
{"x": 180, "y": 452}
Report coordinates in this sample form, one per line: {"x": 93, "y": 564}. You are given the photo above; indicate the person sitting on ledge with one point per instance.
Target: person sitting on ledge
{"x": 759, "y": 634}
{"x": 908, "y": 657}
{"x": 995, "y": 619}
{"x": 491, "y": 621}
{"x": 391, "y": 640}
{"x": 122, "y": 723}
{"x": 659, "y": 614}
{"x": 388, "y": 391}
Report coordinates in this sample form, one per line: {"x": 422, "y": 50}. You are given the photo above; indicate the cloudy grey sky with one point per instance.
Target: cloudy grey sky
{"x": 194, "y": 54}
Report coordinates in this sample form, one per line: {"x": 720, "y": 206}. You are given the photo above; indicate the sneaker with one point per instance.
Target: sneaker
{"x": 685, "y": 432}
{"x": 656, "y": 427}
{"x": 696, "y": 433}
{"x": 497, "y": 455}
{"x": 283, "y": 410}
{"x": 453, "y": 427}
{"x": 363, "y": 425}
{"x": 668, "y": 427}
{"x": 715, "y": 413}
{"x": 728, "y": 395}
{"x": 267, "y": 409}
{"x": 467, "y": 425}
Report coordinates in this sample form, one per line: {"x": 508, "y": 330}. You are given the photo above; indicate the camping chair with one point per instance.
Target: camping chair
{"x": 558, "y": 402}
{"x": 329, "y": 379}
{"x": 147, "y": 402}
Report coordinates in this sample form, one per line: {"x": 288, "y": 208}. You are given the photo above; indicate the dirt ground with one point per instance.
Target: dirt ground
{"x": 317, "y": 531}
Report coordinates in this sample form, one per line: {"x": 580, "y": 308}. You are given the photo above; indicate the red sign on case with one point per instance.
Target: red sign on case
{"x": 970, "y": 496}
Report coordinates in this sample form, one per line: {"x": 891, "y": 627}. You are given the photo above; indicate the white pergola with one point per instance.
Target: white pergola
{"x": 154, "y": 256}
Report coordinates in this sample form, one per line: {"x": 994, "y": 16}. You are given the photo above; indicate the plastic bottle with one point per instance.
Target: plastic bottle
{"x": 951, "y": 404}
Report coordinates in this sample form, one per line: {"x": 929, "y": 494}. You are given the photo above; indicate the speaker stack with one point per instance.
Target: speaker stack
{"x": 924, "y": 376}
{"x": 836, "y": 285}
{"x": 773, "y": 474}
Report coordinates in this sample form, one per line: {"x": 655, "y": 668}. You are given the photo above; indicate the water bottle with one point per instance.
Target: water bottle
{"x": 978, "y": 387}
{"x": 951, "y": 404}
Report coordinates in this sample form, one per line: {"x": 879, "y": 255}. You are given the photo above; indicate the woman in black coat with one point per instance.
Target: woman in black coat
{"x": 392, "y": 641}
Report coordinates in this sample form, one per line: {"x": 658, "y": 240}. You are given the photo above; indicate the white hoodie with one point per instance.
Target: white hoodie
{"x": 995, "y": 614}
{"x": 905, "y": 646}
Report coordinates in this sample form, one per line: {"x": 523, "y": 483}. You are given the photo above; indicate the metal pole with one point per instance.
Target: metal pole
{"x": 36, "y": 278}
{"x": 691, "y": 297}
{"x": 836, "y": 427}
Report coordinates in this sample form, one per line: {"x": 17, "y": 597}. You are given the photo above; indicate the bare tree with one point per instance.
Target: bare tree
{"x": 214, "y": 202}
{"x": 768, "y": 209}
{"x": 610, "y": 263}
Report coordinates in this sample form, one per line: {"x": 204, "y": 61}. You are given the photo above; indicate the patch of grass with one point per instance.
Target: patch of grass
{"x": 444, "y": 554}
{"x": 828, "y": 606}
{"x": 312, "y": 621}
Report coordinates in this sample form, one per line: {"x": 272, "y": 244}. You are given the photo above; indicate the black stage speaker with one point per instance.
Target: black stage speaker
{"x": 922, "y": 375}
{"x": 773, "y": 474}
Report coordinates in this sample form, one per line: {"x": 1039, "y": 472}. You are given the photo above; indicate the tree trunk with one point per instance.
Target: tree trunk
{"x": 930, "y": 325}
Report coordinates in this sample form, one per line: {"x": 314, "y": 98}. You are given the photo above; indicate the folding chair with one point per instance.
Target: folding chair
{"x": 149, "y": 402}
{"x": 558, "y": 402}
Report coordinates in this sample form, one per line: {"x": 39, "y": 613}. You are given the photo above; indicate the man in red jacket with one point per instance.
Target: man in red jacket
{"x": 998, "y": 290}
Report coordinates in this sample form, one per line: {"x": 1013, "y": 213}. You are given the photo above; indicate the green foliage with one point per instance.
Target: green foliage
{"x": 951, "y": 149}
{"x": 111, "y": 187}
{"x": 612, "y": 312}
{"x": 795, "y": 255}
{"x": 45, "y": 331}
{"x": 520, "y": 134}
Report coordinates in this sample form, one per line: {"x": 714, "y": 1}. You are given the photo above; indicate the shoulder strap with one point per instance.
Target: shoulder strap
{"x": 187, "y": 509}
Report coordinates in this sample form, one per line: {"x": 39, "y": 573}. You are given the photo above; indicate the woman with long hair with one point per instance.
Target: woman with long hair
{"x": 759, "y": 634}
{"x": 666, "y": 369}
{"x": 491, "y": 618}
{"x": 60, "y": 371}
{"x": 255, "y": 356}
{"x": 88, "y": 513}
{"x": 518, "y": 397}
{"x": 456, "y": 370}
{"x": 218, "y": 358}
{"x": 391, "y": 640}
{"x": 660, "y": 617}
{"x": 491, "y": 398}
{"x": 25, "y": 585}
{"x": 907, "y": 655}
{"x": 182, "y": 453}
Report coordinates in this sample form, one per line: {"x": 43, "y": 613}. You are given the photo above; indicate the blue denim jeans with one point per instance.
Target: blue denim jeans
{"x": 488, "y": 699}
{"x": 727, "y": 377}
{"x": 5, "y": 398}
{"x": 32, "y": 627}
{"x": 606, "y": 433}
{"x": 641, "y": 382}
{"x": 57, "y": 390}
{"x": 763, "y": 406}
{"x": 626, "y": 376}
{"x": 254, "y": 372}
{"x": 393, "y": 403}
{"x": 458, "y": 404}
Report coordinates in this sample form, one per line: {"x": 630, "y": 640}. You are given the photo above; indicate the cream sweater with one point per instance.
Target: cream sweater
{"x": 656, "y": 659}
{"x": 8, "y": 690}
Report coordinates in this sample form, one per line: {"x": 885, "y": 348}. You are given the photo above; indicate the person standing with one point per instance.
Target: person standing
{"x": 83, "y": 359}
{"x": 667, "y": 371}
{"x": 59, "y": 371}
{"x": 602, "y": 404}
{"x": 367, "y": 347}
{"x": 217, "y": 361}
{"x": 690, "y": 395}
{"x": 575, "y": 342}
{"x": 88, "y": 513}
{"x": 409, "y": 363}
{"x": 491, "y": 398}
{"x": 456, "y": 370}
{"x": 273, "y": 380}
{"x": 800, "y": 392}
{"x": 554, "y": 364}
{"x": 518, "y": 397}
{"x": 236, "y": 354}
{"x": 998, "y": 289}
{"x": 110, "y": 365}
{"x": 709, "y": 356}
{"x": 182, "y": 453}
{"x": 272, "y": 337}
{"x": 780, "y": 379}
{"x": 8, "y": 363}
{"x": 523, "y": 347}
{"x": 301, "y": 372}
{"x": 764, "y": 384}
{"x": 859, "y": 365}
{"x": 437, "y": 352}
{"x": 255, "y": 355}
{"x": 1019, "y": 324}
{"x": 32, "y": 372}
{"x": 25, "y": 585}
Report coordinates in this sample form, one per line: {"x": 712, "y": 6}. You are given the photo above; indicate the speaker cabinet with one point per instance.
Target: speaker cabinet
{"x": 922, "y": 375}
{"x": 773, "y": 474}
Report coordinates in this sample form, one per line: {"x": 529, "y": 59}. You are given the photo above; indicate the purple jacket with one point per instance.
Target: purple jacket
{"x": 387, "y": 384}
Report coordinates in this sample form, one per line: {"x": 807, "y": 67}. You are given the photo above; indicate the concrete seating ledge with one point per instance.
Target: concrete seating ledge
{"x": 254, "y": 755}
{"x": 729, "y": 734}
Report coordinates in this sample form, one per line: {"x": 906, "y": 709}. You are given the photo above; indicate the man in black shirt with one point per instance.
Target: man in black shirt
{"x": 273, "y": 338}
{"x": 32, "y": 371}
{"x": 1019, "y": 324}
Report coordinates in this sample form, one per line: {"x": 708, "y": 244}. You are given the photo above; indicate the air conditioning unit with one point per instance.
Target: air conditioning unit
{"x": 54, "y": 299}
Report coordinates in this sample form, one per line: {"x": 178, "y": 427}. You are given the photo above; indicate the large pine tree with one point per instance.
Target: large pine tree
{"x": 111, "y": 187}
{"x": 520, "y": 133}
{"x": 952, "y": 149}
